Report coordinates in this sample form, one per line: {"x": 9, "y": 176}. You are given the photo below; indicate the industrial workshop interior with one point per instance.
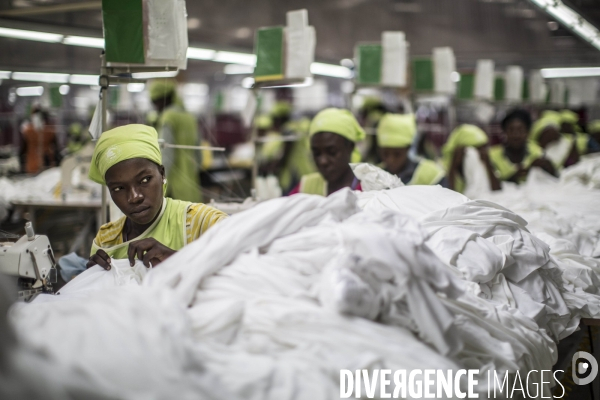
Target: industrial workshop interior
{"x": 299, "y": 199}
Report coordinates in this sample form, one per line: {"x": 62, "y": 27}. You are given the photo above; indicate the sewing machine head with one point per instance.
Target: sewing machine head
{"x": 30, "y": 260}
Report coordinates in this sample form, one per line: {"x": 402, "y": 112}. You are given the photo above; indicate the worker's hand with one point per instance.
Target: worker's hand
{"x": 100, "y": 258}
{"x": 149, "y": 251}
{"x": 519, "y": 175}
{"x": 545, "y": 164}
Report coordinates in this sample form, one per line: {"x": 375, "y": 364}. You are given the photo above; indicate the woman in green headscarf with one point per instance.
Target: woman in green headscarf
{"x": 559, "y": 148}
{"x": 333, "y": 135}
{"x": 453, "y": 154}
{"x": 593, "y": 129}
{"x": 570, "y": 126}
{"x": 129, "y": 162}
{"x": 395, "y": 134}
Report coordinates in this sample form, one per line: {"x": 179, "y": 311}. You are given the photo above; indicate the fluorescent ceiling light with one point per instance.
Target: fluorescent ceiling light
{"x": 307, "y": 82}
{"x": 4, "y": 74}
{"x": 336, "y": 71}
{"x": 40, "y": 77}
{"x": 152, "y": 75}
{"x": 84, "y": 41}
{"x": 135, "y": 87}
{"x": 570, "y": 72}
{"x": 31, "y": 35}
{"x": 238, "y": 69}
{"x": 83, "y": 79}
{"x": 200, "y": 54}
{"x": 30, "y": 91}
{"x": 235, "y": 58}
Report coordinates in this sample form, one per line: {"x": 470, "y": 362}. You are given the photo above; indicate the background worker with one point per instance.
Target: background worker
{"x": 395, "y": 135}
{"x": 333, "y": 136}
{"x": 513, "y": 159}
{"x": 176, "y": 126}
{"x": 39, "y": 148}
{"x": 570, "y": 126}
{"x": 453, "y": 154}
{"x": 559, "y": 149}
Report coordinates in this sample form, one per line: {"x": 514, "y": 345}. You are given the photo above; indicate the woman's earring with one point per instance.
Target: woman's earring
{"x": 164, "y": 180}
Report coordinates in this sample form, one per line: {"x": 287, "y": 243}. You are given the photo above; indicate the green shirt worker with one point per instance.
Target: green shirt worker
{"x": 129, "y": 162}
{"x": 177, "y": 126}
{"x": 395, "y": 134}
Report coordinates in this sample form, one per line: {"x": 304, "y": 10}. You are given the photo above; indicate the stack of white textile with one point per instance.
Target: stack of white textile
{"x": 274, "y": 301}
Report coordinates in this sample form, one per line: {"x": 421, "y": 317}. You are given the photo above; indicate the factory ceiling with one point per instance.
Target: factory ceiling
{"x": 508, "y": 31}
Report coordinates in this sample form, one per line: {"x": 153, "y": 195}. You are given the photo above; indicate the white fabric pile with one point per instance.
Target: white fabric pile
{"x": 38, "y": 187}
{"x": 274, "y": 301}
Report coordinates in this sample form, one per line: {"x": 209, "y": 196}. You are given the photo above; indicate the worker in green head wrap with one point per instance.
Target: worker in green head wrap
{"x": 288, "y": 160}
{"x": 369, "y": 115}
{"x": 593, "y": 129}
{"x": 333, "y": 136}
{"x": 453, "y": 153}
{"x": 513, "y": 159}
{"x": 395, "y": 135}
{"x": 570, "y": 126}
{"x": 76, "y": 138}
{"x": 561, "y": 149}
{"x": 128, "y": 161}
{"x": 546, "y": 130}
{"x": 177, "y": 127}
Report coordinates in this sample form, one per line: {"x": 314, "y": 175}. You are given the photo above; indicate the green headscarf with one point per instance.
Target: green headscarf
{"x": 124, "y": 143}
{"x": 569, "y": 117}
{"x": 549, "y": 118}
{"x": 463, "y": 136}
{"x": 396, "y": 130}
{"x": 594, "y": 126}
{"x": 341, "y": 122}
{"x": 160, "y": 88}
{"x": 281, "y": 109}
{"x": 263, "y": 122}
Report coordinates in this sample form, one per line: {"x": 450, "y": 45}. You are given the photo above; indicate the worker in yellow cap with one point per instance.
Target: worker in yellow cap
{"x": 333, "y": 135}
{"x": 177, "y": 127}
{"x": 395, "y": 135}
{"x": 76, "y": 138}
{"x": 593, "y": 129}
{"x": 128, "y": 161}
{"x": 570, "y": 126}
{"x": 453, "y": 153}
{"x": 561, "y": 149}
{"x": 546, "y": 130}
{"x": 513, "y": 159}
{"x": 369, "y": 115}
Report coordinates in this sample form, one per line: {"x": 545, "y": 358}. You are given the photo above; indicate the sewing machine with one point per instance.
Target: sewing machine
{"x": 30, "y": 260}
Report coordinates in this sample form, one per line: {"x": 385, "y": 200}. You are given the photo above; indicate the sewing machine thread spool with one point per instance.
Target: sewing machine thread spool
{"x": 29, "y": 231}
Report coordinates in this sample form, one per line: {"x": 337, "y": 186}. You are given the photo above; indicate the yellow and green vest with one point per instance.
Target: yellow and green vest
{"x": 179, "y": 223}
{"x": 313, "y": 184}
{"x": 506, "y": 168}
